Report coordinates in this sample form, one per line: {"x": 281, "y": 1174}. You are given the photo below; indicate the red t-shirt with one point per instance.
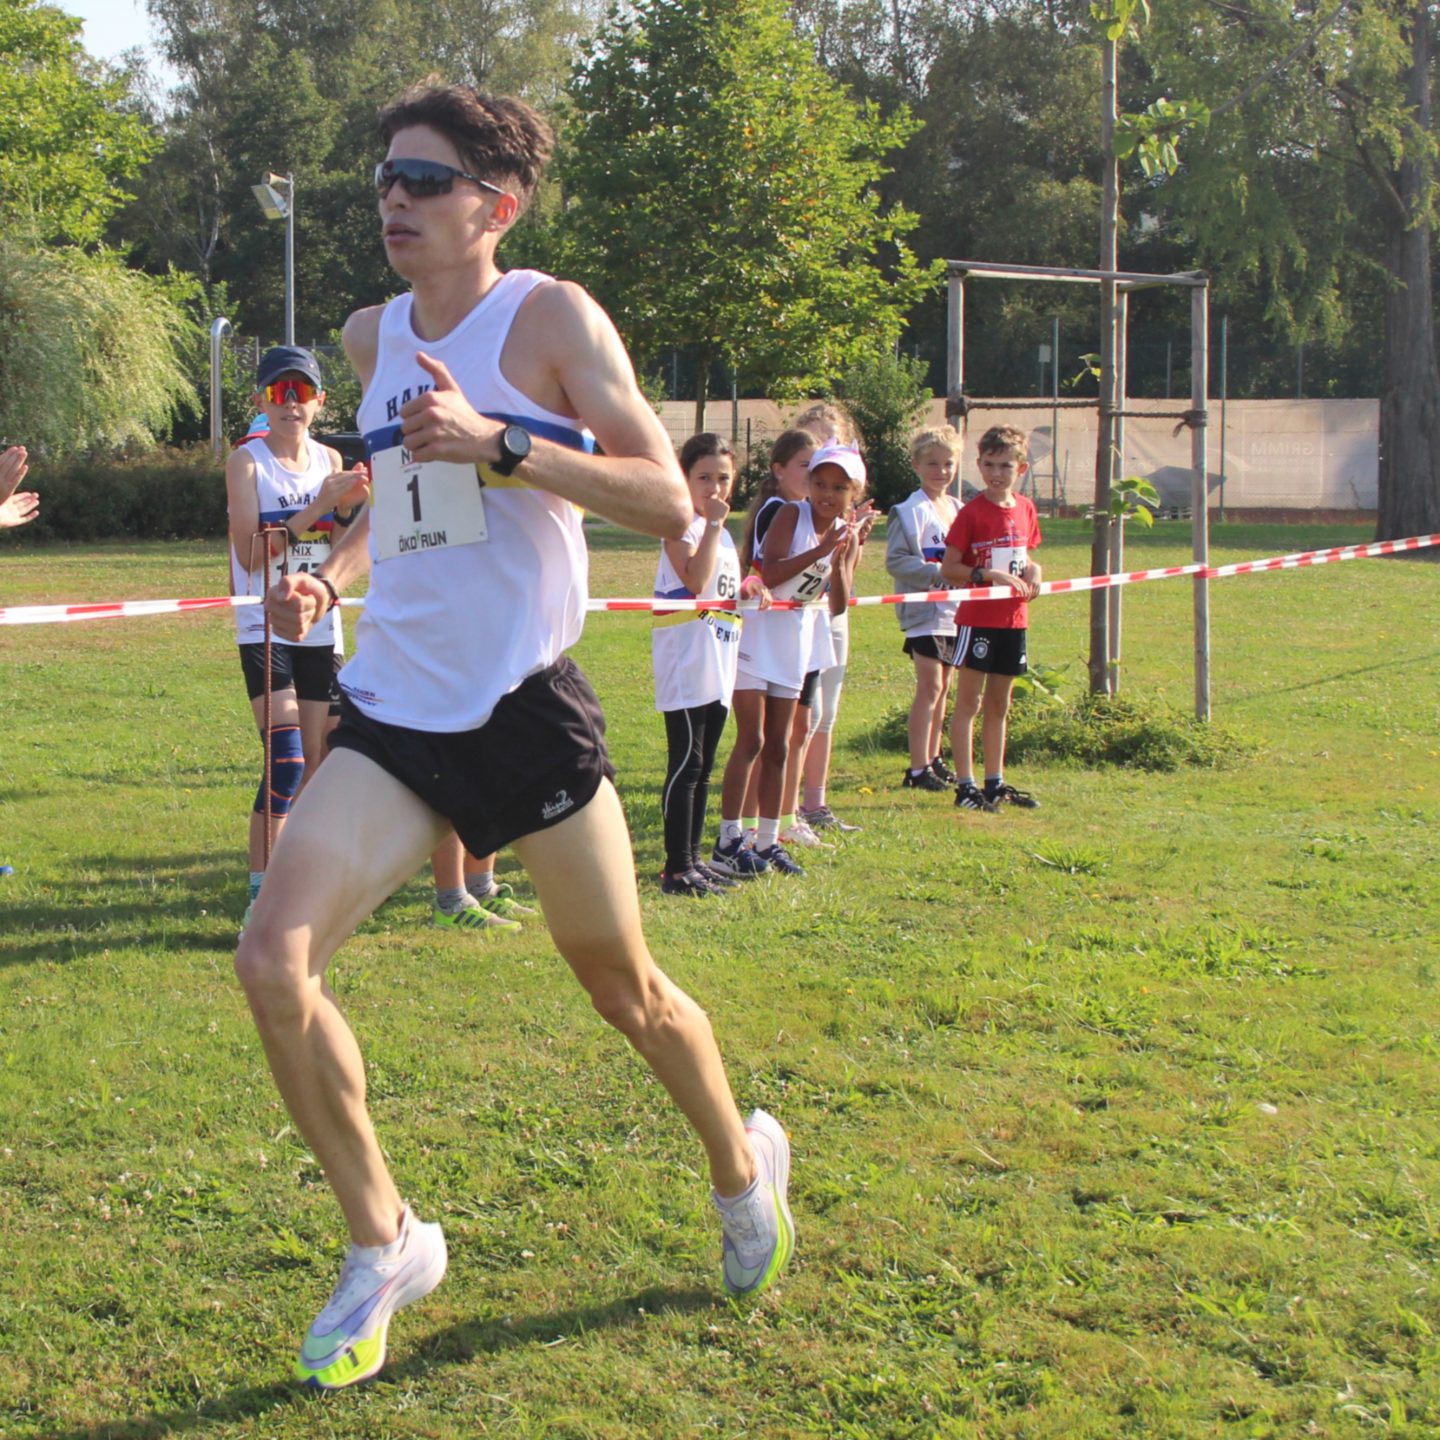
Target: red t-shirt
{"x": 997, "y": 538}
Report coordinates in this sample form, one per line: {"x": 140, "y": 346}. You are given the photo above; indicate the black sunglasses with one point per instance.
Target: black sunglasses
{"x": 422, "y": 178}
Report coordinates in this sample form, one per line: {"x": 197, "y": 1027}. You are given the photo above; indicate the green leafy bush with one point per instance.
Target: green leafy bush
{"x": 161, "y": 495}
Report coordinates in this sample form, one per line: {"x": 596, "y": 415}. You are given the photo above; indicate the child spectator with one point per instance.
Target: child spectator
{"x": 811, "y": 756}
{"x": 285, "y": 477}
{"x": 914, "y": 547}
{"x": 990, "y": 544}
{"x": 695, "y": 655}
{"x": 762, "y": 713}
{"x": 804, "y": 545}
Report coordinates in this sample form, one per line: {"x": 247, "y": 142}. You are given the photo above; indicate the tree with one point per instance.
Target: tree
{"x": 1316, "y": 174}
{"x": 720, "y": 191}
{"x": 294, "y": 86}
{"x": 70, "y": 138}
{"x": 90, "y": 350}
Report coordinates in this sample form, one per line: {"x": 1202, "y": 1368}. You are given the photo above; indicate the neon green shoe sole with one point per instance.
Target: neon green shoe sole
{"x": 346, "y": 1344}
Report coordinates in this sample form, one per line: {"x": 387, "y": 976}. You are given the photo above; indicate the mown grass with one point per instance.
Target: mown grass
{"x": 1116, "y": 1119}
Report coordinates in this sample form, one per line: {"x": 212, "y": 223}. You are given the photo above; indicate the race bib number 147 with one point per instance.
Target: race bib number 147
{"x": 424, "y": 505}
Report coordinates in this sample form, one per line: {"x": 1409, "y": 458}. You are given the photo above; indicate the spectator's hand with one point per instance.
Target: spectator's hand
{"x": 14, "y": 462}
{"x": 752, "y": 587}
{"x": 716, "y": 507}
{"x": 1026, "y": 588}
{"x": 295, "y": 604}
{"x": 865, "y": 518}
{"x": 19, "y": 509}
{"x": 344, "y": 489}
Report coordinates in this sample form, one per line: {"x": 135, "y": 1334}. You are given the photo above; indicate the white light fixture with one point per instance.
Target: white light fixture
{"x": 272, "y": 202}
{"x": 282, "y": 207}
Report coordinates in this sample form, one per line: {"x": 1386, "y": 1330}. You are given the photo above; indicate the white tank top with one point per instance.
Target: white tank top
{"x": 283, "y": 493}
{"x": 783, "y": 646}
{"x": 478, "y": 580}
{"x": 695, "y": 653}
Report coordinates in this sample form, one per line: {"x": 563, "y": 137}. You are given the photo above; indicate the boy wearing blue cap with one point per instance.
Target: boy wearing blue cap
{"x": 285, "y": 477}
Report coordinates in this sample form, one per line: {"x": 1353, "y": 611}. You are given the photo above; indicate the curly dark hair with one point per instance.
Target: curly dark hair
{"x": 498, "y": 137}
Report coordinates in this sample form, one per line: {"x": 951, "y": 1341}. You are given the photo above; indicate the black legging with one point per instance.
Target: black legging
{"x": 692, "y": 736}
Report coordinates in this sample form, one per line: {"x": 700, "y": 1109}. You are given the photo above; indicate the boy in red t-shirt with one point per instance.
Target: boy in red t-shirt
{"x": 990, "y": 544}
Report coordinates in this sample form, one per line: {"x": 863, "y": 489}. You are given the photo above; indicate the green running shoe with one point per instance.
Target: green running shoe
{"x": 501, "y": 901}
{"x": 472, "y": 917}
{"x": 346, "y": 1344}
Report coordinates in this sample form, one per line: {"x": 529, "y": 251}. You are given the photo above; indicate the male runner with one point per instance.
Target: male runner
{"x": 482, "y": 391}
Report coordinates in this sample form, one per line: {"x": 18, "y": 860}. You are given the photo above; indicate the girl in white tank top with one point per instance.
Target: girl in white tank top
{"x": 695, "y": 657}
{"x": 762, "y": 709}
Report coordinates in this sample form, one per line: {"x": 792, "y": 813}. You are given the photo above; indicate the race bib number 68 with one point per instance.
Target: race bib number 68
{"x": 423, "y": 505}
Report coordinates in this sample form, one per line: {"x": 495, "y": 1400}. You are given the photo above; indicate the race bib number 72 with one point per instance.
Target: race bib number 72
{"x": 423, "y": 505}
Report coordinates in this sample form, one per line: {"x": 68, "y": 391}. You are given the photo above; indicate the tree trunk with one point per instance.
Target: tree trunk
{"x": 702, "y": 391}
{"x": 1409, "y": 500}
{"x": 1101, "y": 675}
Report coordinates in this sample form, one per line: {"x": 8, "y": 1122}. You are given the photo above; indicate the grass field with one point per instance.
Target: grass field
{"x": 1114, "y": 1119}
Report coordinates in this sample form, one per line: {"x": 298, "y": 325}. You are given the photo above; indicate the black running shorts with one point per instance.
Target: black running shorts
{"x": 996, "y": 652}
{"x": 933, "y": 647}
{"x": 308, "y": 670}
{"x": 537, "y": 760}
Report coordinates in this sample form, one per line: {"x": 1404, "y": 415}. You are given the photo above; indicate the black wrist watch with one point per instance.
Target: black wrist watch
{"x": 514, "y": 447}
{"x": 976, "y": 580}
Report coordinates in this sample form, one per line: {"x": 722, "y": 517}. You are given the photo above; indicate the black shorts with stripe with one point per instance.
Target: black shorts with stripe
{"x": 933, "y": 647}
{"x": 996, "y": 652}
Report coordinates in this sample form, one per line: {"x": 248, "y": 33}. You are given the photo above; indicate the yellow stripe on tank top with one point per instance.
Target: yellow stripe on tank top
{"x": 725, "y": 618}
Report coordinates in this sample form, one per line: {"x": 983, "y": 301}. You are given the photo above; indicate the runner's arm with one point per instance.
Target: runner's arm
{"x": 636, "y": 482}
{"x": 297, "y": 602}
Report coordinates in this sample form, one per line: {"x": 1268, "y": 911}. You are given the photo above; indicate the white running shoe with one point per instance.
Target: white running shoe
{"x": 346, "y": 1344}
{"x": 801, "y": 834}
{"x": 759, "y": 1231}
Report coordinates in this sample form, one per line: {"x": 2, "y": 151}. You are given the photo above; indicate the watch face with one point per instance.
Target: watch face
{"x": 516, "y": 441}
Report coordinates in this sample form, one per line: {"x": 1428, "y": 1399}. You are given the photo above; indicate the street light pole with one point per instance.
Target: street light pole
{"x": 282, "y": 207}
{"x": 290, "y": 259}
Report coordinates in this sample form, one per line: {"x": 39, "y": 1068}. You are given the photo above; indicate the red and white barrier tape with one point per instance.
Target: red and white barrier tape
{"x": 129, "y": 609}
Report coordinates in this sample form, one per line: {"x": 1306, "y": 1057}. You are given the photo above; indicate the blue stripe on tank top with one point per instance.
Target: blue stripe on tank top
{"x": 679, "y": 593}
{"x": 279, "y": 517}
{"x": 387, "y": 437}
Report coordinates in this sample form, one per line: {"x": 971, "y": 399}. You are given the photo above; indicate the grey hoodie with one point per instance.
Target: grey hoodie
{"x": 914, "y": 547}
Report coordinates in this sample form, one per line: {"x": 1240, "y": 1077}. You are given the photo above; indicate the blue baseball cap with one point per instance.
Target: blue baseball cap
{"x": 287, "y": 360}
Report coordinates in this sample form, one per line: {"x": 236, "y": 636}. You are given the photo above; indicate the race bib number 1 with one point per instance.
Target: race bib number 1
{"x": 424, "y": 505}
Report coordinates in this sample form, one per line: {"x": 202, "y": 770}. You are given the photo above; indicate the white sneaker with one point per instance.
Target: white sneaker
{"x": 758, "y": 1229}
{"x": 801, "y": 834}
{"x": 346, "y": 1344}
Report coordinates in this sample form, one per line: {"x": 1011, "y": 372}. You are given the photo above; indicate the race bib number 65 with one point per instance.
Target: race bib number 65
{"x": 423, "y": 505}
